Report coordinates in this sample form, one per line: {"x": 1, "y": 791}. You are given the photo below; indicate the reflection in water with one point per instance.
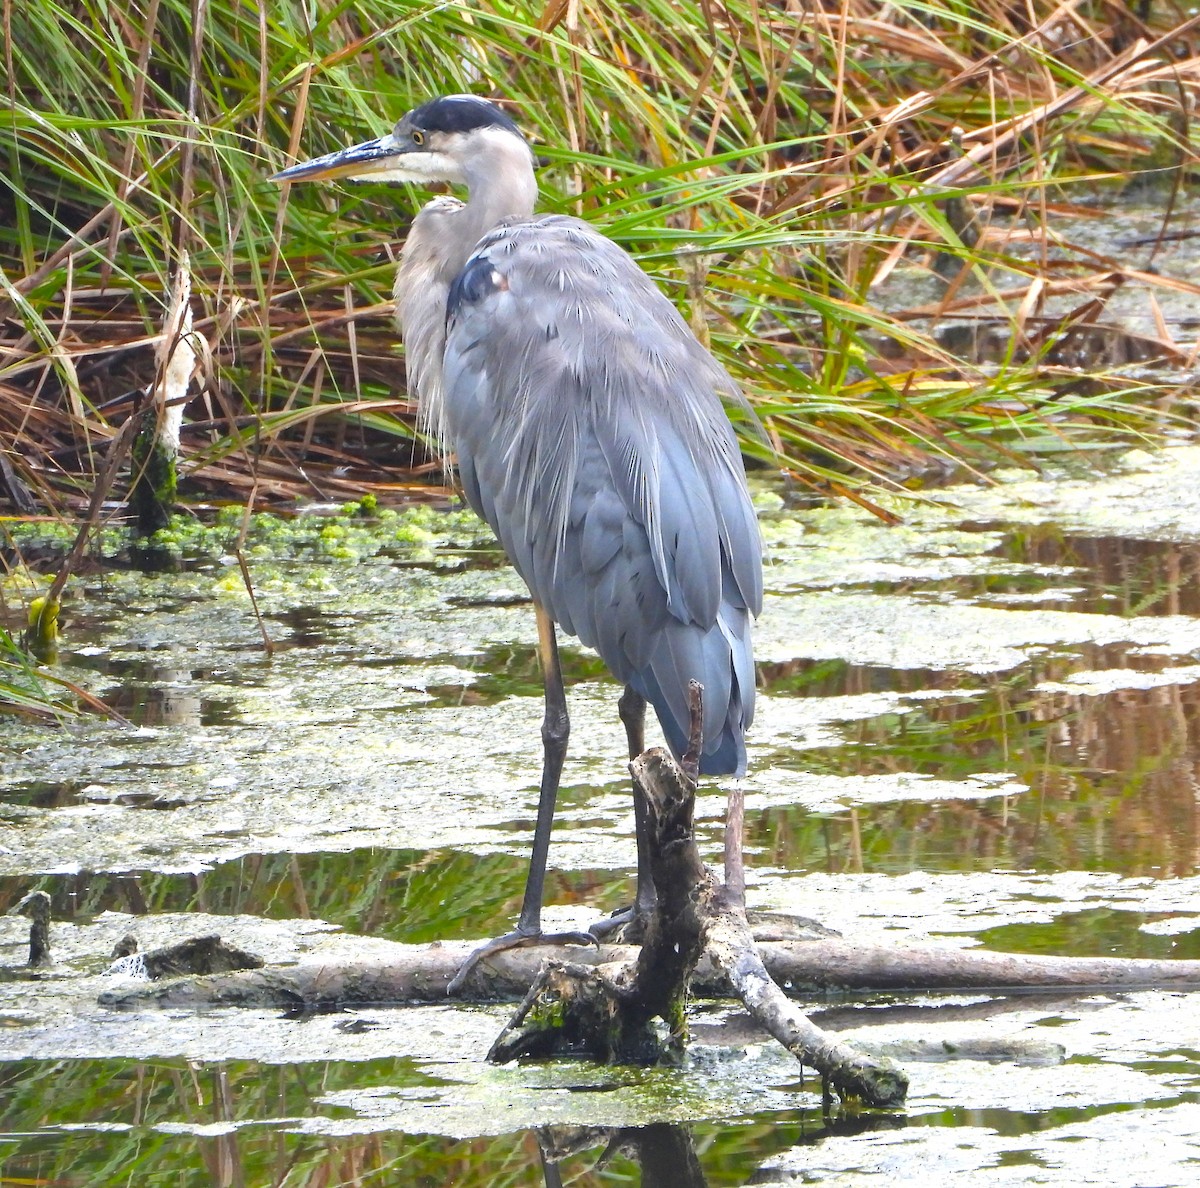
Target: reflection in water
{"x": 1115, "y": 575}
{"x": 155, "y": 694}
{"x": 667, "y": 1156}
{"x": 1112, "y": 774}
{"x": 76, "y": 898}
{"x": 844, "y": 1126}
{"x": 664, "y": 1153}
{"x": 154, "y": 1119}
{"x": 406, "y": 895}
{"x": 671, "y": 1155}
{"x": 222, "y": 1152}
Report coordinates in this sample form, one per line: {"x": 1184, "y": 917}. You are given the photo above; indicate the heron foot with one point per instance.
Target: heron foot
{"x": 625, "y": 926}
{"x": 516, "y": 940}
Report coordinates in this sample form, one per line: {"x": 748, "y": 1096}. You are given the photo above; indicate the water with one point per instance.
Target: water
{"x": 979, "y": 727}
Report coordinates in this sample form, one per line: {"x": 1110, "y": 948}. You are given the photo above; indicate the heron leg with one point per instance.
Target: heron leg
{"x": 632, "y": 708}
{"x": 556, "y": 729}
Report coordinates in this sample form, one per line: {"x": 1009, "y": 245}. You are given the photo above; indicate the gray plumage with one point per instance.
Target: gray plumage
{"x": 591, "y": 436}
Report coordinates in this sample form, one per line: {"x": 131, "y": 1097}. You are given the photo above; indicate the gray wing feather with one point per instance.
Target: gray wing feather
{"x": 592, "y": 437}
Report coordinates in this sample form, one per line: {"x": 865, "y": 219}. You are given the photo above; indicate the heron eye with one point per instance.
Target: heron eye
{"x": 418, "y": 136}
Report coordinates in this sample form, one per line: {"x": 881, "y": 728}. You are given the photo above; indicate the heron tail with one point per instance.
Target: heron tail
{"x": 721, "y": 659}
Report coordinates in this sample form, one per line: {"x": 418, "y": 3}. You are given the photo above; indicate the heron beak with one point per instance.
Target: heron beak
{"x": 372, "y": 158}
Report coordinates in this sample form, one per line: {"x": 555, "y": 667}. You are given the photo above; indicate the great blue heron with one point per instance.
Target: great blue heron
{"x": 591, "y": 434}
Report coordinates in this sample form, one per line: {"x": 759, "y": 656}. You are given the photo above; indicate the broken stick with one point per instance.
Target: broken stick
{"x": 610, "y": 1013}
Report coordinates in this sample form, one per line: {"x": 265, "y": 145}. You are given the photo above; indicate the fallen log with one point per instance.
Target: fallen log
{"x": 420, "y": 973}
{"x": 847, "y": 1071}
{"x": 612, "y": 1011}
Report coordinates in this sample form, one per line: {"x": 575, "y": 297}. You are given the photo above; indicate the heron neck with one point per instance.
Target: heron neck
{"x": 497, "y": 190}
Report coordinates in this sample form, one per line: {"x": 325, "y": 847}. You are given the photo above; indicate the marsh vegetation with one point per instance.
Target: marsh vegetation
{"x": 936, "y": 244}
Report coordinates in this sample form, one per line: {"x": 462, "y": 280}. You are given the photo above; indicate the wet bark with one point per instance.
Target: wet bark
{"x": 197, "y": 955}
{"x": 664, "y": 1151}
{"x": 666, "y": 1155}
{"x": 36, "y": 905}
{"x": 155, "y": 451}
{"x": 844, "y": 1070}
{"x": 633, "y": 1013}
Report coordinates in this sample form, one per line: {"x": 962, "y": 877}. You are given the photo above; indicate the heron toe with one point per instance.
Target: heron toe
{"x": 515, "y": 940}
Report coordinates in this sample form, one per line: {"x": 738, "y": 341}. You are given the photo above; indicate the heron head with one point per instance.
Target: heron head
{"x": 436, "y": 142}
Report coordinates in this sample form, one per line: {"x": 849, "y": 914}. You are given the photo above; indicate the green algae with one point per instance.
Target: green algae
{"x": 348, "y": 533}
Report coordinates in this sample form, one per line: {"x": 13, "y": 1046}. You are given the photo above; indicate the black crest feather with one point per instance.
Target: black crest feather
{"x": 459, "y": 113}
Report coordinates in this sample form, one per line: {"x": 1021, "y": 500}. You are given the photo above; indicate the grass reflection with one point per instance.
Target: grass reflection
{"x": 1110, "y": 776}
{"x": 240, "y": 1123}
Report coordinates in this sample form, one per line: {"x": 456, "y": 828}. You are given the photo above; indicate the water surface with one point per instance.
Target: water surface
{"x": 977, "y": 727}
